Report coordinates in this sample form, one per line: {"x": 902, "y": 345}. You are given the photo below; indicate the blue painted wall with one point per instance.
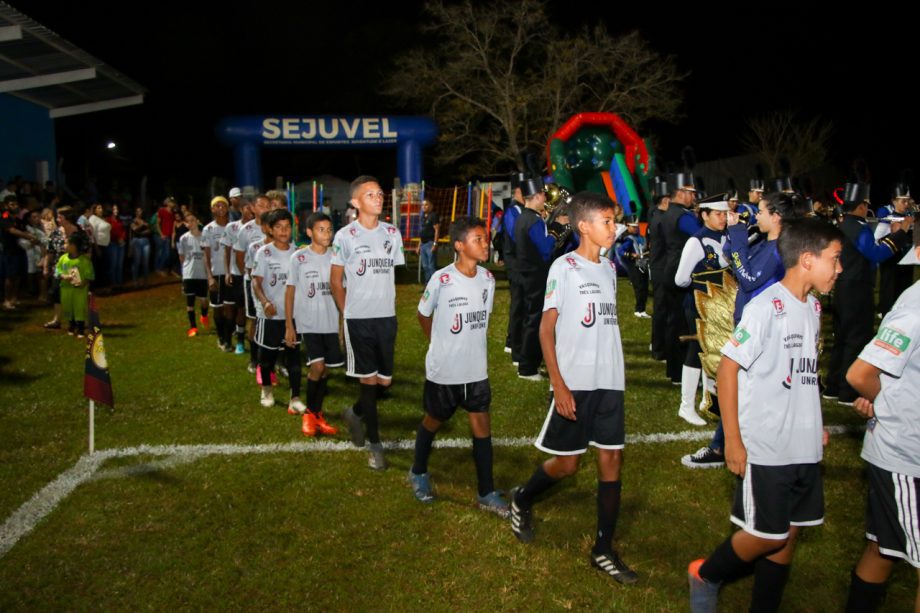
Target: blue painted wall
{"x": 26, "y": 137}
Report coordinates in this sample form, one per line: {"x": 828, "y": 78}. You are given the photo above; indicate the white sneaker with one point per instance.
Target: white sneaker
{"x": 642, "y": 315}
{"x": 533, "y": 377}
{"x": 507, "y": 349}
{"x": 297, "y": 406}
{"x": 690, "y": 416}
{"x": 268, "y": 398}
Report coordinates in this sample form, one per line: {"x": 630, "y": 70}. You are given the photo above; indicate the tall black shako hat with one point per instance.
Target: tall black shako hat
{"x": 681, "y": 180}
{"x": 901, "y": 190}
{"x": 756, "y": 185}
{"x": 516, "y": 180}
{"x": 783, "y": 184}
{"x": 660, "y": 187}
{"x": 855, "y": 194}
{"x": 531, "y": 186}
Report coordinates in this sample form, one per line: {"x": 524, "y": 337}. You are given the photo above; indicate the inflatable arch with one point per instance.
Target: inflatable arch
{"x": 247, "y": 135}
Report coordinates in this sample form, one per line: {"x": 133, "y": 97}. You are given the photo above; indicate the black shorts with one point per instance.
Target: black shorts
{"x": 369, "y": 347}
{"x": 441, "y": 401}
{"x": 892, "y": 517}
{"x": 598, "y": 422}
{"x": 270, "y": 333}
{"x": 250, "y": 299}
{"x": 234, "y": 293}
{"x": 769, "y": 499}
{"x": 195, "y": 287}
{"x": 217, "y": 297}
{"x": 323, "y": 348}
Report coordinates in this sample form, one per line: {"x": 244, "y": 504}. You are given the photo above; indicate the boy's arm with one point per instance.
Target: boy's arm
{"x": 212, "y": 283}
{"x": 425, "y": 322}
{"x": 290, "y": 333}
{"x": 336, "y": 273}
{"x": 865, "y": 379}
{"x": 562, "y": 396}
{"x": 229, "y": 277}
{"x": 240, "y": 257}
{"x": 727, "y": 382}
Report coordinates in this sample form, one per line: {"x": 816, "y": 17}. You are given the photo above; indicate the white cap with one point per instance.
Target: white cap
{"x": 720, "y": 205}
{"x": 235, "y": 192}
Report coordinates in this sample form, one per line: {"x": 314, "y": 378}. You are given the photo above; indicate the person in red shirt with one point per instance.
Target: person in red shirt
{"x": 115, "y": 255}
{"x": 162, "y": 237}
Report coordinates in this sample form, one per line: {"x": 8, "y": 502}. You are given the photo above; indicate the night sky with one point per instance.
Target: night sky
{"x": 202, "y": 63}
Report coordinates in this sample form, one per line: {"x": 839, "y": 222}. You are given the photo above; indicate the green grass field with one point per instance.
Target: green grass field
{"x": 318, "y": 530}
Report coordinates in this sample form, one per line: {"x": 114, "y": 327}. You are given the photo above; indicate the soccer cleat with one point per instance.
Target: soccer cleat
{"x": 355, "y": 427}
{"x": 611, "y": 564}
{"x": 268, "y": 398}
{"x": 296, "y": 407}
{"x": 308, "y": 425}
{"x": 253, "y": 369}
{"x": 534, "y": 377}
{"x": 421, "y": 487}
{"x": 494, "y": 503}
{"x": 642, "y": 315}
{"x": 323, "y": 427}
{"x": 192, "y": 332}
{"x": 274, "y": 379}
{"x": 204, "y": 321}
{"x": 521, "y": 519}
{"x": 220, "y": 344}
{"x": 227, "y": 348}
{"x": 507, "y": 349}
{"x": 704, "y": 596}
{"x": 375, "y": 457}
{"x": 240, "y": 350}
{"x": 705, "y": 457}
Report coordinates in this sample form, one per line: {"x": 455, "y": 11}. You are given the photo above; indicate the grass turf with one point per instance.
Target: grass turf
{"x": 320, "y": 530}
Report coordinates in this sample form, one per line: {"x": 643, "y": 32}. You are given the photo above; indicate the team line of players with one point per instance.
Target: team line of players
{"x": 296, "y": 296}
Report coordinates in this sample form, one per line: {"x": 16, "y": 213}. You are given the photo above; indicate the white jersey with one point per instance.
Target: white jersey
{"x": 250, "y": 232}
{"x": 273, "y": 265}
{"x": 461, "y": 306}
{"x": 892, "y": 438}
{"x": 231, "y": 233}
{"x": 192, "y": 251}
{"x": 368, "y": 257}
{"x": 314, "y": 308}
{"x": 776, "y": 345}
{"x": 210, "y": 238}
{"x": 588, "y": 346}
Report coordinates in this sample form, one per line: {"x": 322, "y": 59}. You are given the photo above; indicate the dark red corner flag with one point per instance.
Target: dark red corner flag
{"x": 96, "y": 383}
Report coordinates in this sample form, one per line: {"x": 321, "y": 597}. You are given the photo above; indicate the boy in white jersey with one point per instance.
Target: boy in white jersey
{"x": 313, "y": 318}
{"x": 887, "y": 376}
{"x": 771, "y": 413}
{"x": 194, "y": 276}
{"x": 364, "y": 253}
{"x": 234, "y": 303}
{"x": 580, "y": 340}
{"x": 454, "y": 315}
{"x": 269, "y": 283}
{"x": 250, "y": 233}
{"x": 211, "y": 238}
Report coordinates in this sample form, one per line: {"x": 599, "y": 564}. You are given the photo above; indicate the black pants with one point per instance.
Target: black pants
{"x": 659, "y": 316}
{"x": 639, "y": 282}
{"x": 515, "y": 316}
{"x": 533, "y": 286}
{"x": 893, "y": 279}
{"x": 676, "y": 326}
{"x": 853, "y": 314}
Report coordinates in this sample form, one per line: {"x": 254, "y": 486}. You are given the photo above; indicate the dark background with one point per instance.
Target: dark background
{"x": 202, "y": 62}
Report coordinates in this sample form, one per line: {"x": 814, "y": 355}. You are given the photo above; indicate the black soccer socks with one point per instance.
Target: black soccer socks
{"x": 608, "y": 510}
{"x": 482, "y": 456}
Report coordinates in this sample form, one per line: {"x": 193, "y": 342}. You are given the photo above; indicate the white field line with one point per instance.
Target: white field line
{"x": 26, "y": 517}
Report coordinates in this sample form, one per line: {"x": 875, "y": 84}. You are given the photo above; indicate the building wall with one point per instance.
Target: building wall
{"x": 26, "y": 138}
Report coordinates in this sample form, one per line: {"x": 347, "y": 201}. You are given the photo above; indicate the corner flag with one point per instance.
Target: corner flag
{"x": 96, "y": 383}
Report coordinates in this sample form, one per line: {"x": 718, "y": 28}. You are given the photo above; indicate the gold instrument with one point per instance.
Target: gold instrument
{"x": 716, "y": 307}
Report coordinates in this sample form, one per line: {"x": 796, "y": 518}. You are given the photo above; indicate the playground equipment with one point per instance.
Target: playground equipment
{"x": 600, "y": 152}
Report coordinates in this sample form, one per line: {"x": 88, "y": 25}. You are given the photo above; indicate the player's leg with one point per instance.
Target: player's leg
{"x": 477, "y": 400}
{"x": 292, "y": 361}
{"x": 268, "y": 355}
{"x": 383, "y": 346}
{"x": 439, "y": 403}
{"x": 190, "y": 313}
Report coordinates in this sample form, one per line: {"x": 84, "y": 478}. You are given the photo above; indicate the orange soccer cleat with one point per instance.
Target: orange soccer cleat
{"x": 204, "y": 321}
{"x": 309, "y": 424}
{"x": 323, "y": 427}
{"x": 192, "y": 332}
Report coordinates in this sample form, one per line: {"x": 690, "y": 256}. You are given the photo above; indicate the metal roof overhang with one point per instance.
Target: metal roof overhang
{"x": 40, "y": 67}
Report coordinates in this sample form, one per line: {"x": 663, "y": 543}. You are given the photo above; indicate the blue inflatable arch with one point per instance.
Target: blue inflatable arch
{"x": 247, "y": 135}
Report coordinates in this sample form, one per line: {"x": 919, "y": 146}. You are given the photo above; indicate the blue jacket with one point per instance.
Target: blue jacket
{"x": 756, "y": 268}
